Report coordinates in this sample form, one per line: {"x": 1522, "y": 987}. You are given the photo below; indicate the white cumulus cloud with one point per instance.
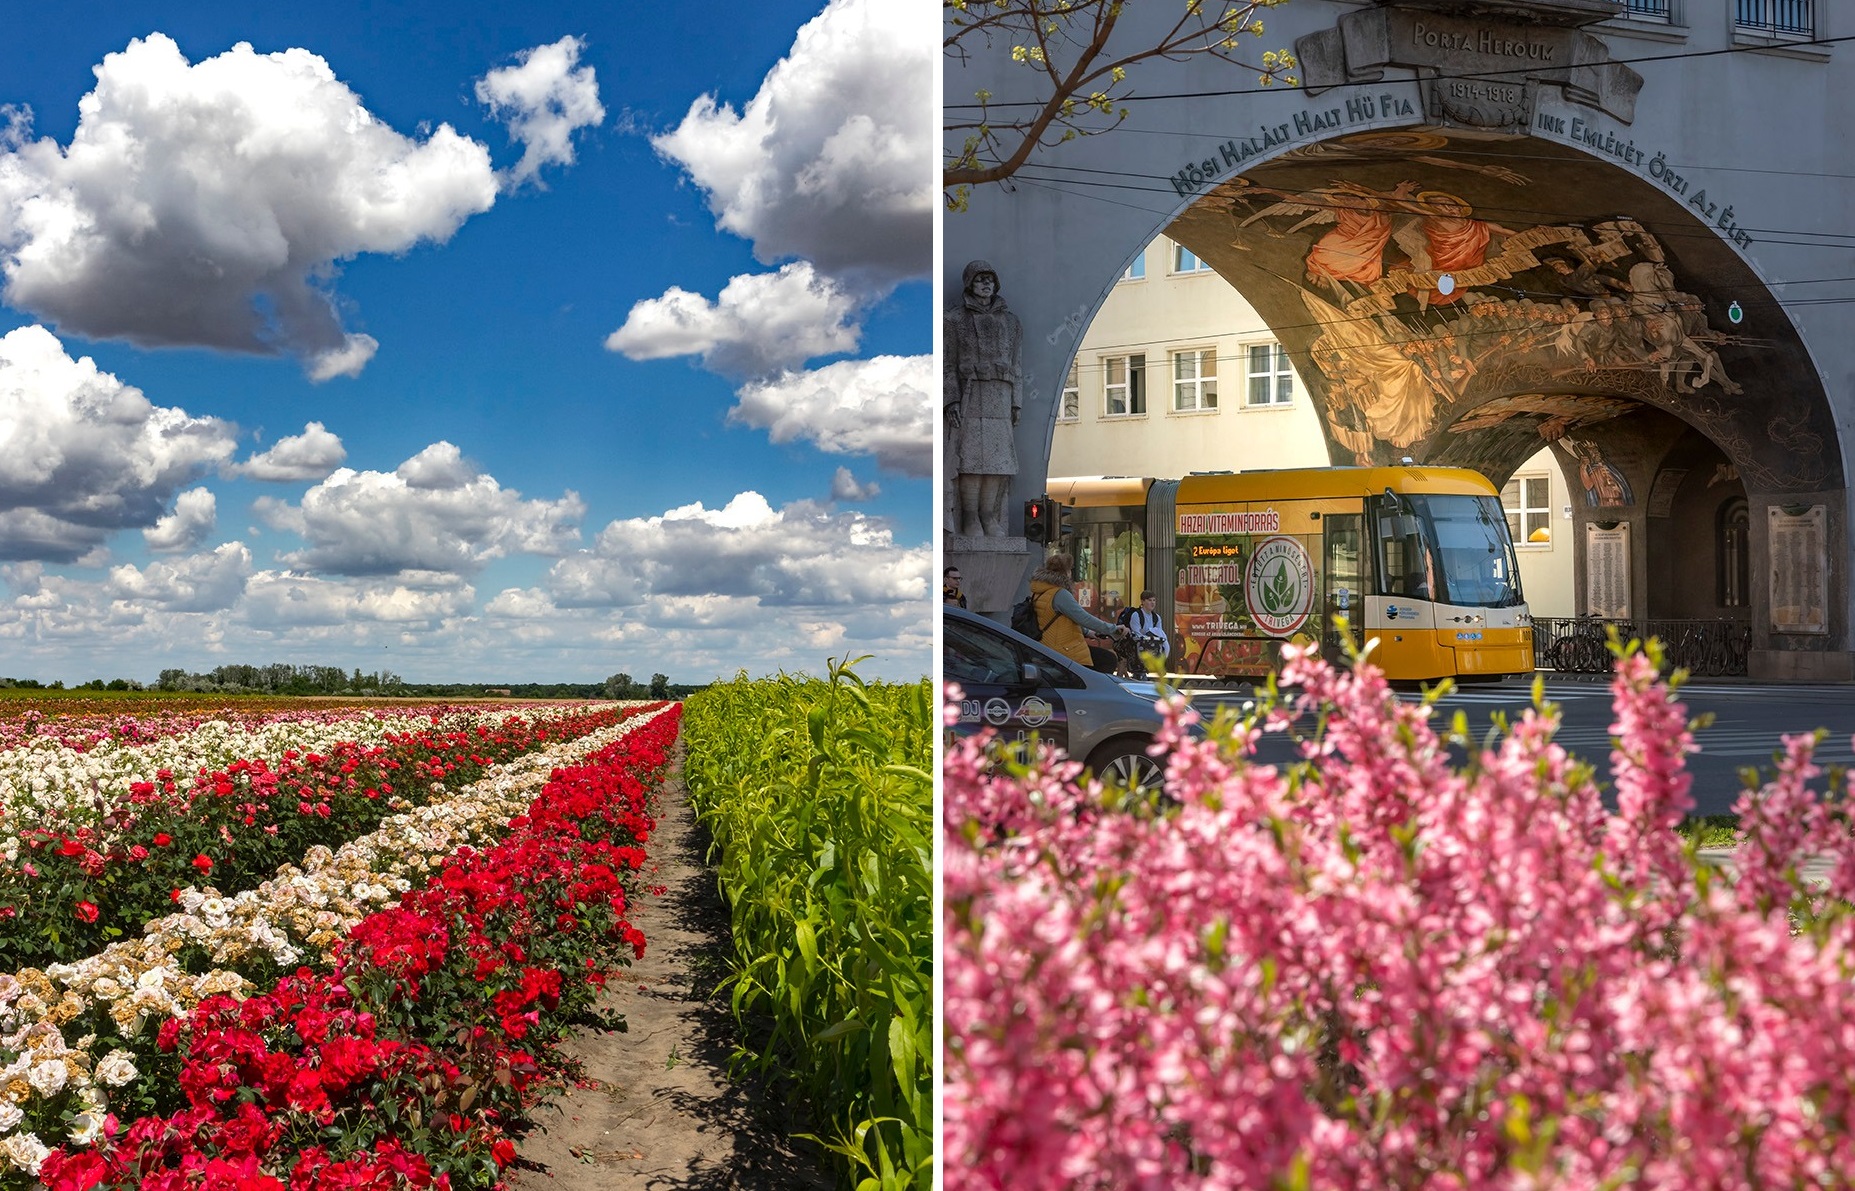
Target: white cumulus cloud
{"x": 195, "y": 515}
{"x": 803, "y": 554}
{"x": 199, "y": 583}
{"x": 284, "y": 601}
{"x": 311, "y": 455}
{"x": 436, "y": 513}
{"x": 758, "y": 324}
{"x": 82, "y": 454}
{"x": 544, "y": 99}
{"x": 831, "y": 159}
{"x": 208, "y": 204}
{"x": 845, "y": 486}
{"x": 879, "y": 407}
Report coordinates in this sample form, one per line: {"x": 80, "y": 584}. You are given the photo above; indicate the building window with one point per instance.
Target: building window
{"x": 1184, "y": 261}
{"x": 1194, "y": 379}
{"x": 1787, "y": 18}
{"x": 1272, "y": 381}
{"x": 1661, "y": 11}
{"x": 1527, "y": 500}
{"x": 1071, "y": 404}
{"x": 1733, "y": 554}
{"x": 1137, "y": 270}
{"x": 1124, "y": 385}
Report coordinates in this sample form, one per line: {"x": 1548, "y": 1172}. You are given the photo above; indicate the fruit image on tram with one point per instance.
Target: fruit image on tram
{"x": 1417, "y": 562}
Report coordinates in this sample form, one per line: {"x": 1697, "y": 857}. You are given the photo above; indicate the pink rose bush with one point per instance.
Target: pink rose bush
{"x": 1371, "y": 970}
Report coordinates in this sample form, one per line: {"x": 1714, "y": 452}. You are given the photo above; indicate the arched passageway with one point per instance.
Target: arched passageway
{"x": 1460, "y": 299}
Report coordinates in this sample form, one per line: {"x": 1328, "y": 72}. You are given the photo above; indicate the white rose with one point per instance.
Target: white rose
{"x": 26, "y": 1151}
{"x": 85, "y": 1127}
{"x": 116, "y": 1069}
{"x": 47, "y": 1078}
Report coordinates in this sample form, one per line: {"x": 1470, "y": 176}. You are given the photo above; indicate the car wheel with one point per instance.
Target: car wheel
{"x": 1125, "y": 763}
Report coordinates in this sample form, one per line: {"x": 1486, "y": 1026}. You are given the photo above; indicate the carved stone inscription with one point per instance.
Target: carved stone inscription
{"x": 1481, "y": 63}
{"x": 1607, "y": 571}
{"x": 1800, "y": 570}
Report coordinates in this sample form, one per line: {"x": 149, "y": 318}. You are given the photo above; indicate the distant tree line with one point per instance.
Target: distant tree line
{"x": 283, "y": 679}
{"x": 280, "y": 678}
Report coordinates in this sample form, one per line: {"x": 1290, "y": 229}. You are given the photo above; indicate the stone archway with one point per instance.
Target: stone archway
{"x": 1459, "y": 299}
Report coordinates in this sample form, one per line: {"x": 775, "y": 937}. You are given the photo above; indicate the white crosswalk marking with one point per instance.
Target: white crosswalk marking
{"x": 1754, "y": 744}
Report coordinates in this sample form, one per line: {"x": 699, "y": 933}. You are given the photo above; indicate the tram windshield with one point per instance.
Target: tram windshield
{"x": 1448, "y": 548}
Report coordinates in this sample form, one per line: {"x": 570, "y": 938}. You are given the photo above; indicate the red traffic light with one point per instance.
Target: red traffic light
{"x": 1036, "y": 521}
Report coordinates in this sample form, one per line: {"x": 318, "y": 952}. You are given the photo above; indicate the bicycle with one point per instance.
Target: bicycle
{"x": 1691, "y": 652}
{"x": 1127, "y": 651}
{"x": 1714, "y": 650}
{"x": 1585, "y": 650}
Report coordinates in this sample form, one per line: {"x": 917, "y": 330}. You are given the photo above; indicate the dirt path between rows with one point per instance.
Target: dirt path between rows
{"x": 660, "y": 1112}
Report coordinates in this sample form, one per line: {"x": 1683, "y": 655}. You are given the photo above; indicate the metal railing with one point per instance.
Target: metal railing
{"x": 1650, "y": 10}
{"x": 1791, "y": 18}
{"x": 1580, "y": 644}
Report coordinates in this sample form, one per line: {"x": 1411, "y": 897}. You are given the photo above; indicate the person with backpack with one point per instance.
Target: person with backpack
{"x": 1061, "y": 621}
{"x": 1147, "y": 631}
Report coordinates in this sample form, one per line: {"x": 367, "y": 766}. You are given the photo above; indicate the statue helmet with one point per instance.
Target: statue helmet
{"x": 976, "y": 269}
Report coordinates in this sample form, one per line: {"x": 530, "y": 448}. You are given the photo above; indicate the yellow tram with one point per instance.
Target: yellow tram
{"x": 1419, "y": 559}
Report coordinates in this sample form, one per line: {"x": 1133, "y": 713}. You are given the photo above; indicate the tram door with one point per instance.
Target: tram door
{"x": 1345, "y": 581}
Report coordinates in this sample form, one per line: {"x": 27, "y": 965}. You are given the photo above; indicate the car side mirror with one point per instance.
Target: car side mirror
{"x": 1030, "y": 674}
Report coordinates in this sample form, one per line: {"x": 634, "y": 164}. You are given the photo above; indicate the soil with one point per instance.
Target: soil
{"x": 656, "y": 1108}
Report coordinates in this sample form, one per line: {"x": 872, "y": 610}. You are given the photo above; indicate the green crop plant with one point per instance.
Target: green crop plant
{"x": 818, "y": 796}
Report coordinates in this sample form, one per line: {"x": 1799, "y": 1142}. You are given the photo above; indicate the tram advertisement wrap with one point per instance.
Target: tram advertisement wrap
{"x": 1242, "y": 588}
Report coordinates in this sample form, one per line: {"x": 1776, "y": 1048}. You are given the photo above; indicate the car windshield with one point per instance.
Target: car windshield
{"x": 1474, "y": 555}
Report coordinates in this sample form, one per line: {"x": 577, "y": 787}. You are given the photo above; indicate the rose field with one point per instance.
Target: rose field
{"x": 1373, "y": 969}
{"x": 285, "y": 948}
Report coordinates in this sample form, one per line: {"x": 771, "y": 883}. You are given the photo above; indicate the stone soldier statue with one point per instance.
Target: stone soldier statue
{"x": 982, "y": 393}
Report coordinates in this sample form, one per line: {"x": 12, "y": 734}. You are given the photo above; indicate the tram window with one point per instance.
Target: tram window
{"x": 1402, "y": 558}
{"x": 1474, "y": 554}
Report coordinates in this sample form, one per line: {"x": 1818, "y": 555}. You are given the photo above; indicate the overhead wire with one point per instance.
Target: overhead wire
{"x": 1534, "y": 69}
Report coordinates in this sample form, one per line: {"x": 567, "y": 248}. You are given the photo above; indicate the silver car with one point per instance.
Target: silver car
{"x": 1018, "y": 687}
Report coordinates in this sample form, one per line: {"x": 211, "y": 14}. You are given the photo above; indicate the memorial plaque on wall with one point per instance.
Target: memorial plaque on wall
{"x": 1800, "y": 570}
{"x": 1607, "y": 570}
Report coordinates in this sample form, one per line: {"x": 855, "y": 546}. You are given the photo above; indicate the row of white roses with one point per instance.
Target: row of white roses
{"x": 48, "y": 783}
{"x": 297, "y": 916}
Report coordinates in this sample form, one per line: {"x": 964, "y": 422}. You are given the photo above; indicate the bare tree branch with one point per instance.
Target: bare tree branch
{"x": 1082, "y": 84}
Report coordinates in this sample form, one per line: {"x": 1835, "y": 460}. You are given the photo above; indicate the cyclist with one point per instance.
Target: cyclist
{"x": 1146, "y": 632}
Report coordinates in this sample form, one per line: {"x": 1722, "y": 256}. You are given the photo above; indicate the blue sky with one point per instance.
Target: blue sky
{"x": 468, "y": 341}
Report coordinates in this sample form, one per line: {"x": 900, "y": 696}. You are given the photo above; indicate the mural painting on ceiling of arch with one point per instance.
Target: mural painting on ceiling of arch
{"x": 1417, "y": 277}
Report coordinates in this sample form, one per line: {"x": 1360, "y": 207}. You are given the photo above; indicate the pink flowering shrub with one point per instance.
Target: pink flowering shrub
{"x": 1368, "y": 970}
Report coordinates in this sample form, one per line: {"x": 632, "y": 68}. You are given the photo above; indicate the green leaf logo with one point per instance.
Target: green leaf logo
{"x": 1278, "y": 591}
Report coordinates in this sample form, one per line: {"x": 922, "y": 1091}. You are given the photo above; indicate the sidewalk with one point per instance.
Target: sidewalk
{"x": 1815, "y": 870}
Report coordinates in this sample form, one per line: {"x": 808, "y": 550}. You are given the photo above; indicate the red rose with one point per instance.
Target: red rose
{"x": 503, "y": 1152}
{"x": 163, "y": 839}
{"x": 86, "y": 911}
{"x": 203, "y": 862}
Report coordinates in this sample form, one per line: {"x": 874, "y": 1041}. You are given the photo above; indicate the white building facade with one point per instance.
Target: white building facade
{"x": 1177, "y": 373}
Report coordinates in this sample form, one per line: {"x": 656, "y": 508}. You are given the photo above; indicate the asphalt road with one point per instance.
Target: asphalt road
{"x": 1748, "y": 720}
